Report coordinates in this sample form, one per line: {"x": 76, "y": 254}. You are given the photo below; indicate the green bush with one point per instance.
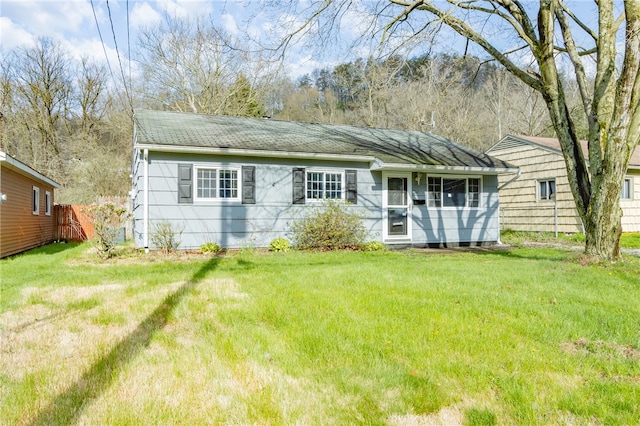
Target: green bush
{"x": 280, "y": 245}
{"x": 210, "y": 248}
{"x": 165, "y": 237}
{"x": 330, "y": 227}
{"x": 374, "y": 246}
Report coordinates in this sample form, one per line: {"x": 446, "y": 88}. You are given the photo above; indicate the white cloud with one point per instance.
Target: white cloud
{"x": 229, "y": 24}
{"x": 90, "y": 48}
{"x": 186, "y": 8}
{"x": 12, "y": 35}
{"x": 49, "y": 18}
{"x": 144, "y": 15}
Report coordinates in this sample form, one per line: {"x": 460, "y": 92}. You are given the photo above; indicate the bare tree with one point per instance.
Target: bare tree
{"x": 42, "y": 85}
{"x": 191, "y": 65}
{"x": 92, "y": 96}
{"x": 552, "y": 36}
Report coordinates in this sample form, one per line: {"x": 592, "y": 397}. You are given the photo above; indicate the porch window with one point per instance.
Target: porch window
{"x": 35, "y": 204}
{"x": 453, "y": 192}
{"x": 627, "y": 189}
{"x": 323, "y": 185}
{"x": 217, "y": 183}
{"x": 546, "y": 189}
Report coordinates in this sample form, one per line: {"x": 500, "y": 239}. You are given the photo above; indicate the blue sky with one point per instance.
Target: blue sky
{"x": 72, "y": 23}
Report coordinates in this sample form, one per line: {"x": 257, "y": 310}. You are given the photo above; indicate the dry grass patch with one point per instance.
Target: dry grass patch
{"x": 64, "y": 333}
{"x": 600, "y": 348}
{"x": 448, "y": 416}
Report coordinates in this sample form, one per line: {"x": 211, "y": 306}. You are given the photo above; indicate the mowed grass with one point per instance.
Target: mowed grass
{"x": 527, "y": 336}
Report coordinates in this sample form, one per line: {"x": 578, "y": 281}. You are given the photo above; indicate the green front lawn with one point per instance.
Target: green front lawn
{"x": 527, "y": 336}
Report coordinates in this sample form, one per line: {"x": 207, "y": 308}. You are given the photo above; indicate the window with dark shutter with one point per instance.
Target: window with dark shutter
{"x": 248, "y": 185}
{"x": 298, "y": 186}
{"x": 185, "y": 183}
{"x": 352, "y": 186}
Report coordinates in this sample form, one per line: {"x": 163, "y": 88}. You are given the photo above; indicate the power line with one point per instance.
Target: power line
{"x": 129, "y": 48}
{"x": 104, "y": 49}
{"x": 115, "y": 42}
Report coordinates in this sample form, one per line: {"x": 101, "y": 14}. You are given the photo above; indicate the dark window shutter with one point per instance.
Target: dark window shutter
{"x": 352, "y": 186}
{"x": 248, "y": 184}
{"x": 298, "y": 186}
{"x": 185, "y": 184}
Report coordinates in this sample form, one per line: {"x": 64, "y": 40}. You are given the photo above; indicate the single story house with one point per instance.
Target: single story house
{"x": 26, "y": 207}
{"x": 540, "y": 199}
{"x": 240, "y": 182}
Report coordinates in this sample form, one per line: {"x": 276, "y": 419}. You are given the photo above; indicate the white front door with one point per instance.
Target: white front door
{"x": 396, "y": 206}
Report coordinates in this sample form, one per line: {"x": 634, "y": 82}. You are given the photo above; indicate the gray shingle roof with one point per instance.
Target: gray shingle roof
{"x": 176, "y": 129}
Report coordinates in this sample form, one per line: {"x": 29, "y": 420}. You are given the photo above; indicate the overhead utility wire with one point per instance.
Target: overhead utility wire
{"x": 104, "y": 49}
{"x": 115, "y": 42}
{"x": 129, "y": 48}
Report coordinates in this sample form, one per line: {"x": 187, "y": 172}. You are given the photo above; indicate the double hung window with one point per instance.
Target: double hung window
{"x": 453, "y": 192}
{"x": 546, "y": 189}
{"x": 217, "y": 183}
{"x": 323, "y": 185}
{"x": 47, "y": 203}
{"x": 35, "y": 204}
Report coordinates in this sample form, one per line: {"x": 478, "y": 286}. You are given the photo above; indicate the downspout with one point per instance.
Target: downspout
{"x": 499, "y": 188}
{"x": 510, "y": 180}
{"x": 145, "y": 213}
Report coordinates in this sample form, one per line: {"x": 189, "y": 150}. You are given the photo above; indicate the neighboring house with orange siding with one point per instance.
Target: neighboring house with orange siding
{"x": 540, "y": 199}
{"x": 26, "y": 207}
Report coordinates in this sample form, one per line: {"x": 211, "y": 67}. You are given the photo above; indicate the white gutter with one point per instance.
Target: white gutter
{"x": 511, "y": 180}
{"x": 145, "y": 213}
{"x": 255, "y": 153}
{"x": 443, "y": 169}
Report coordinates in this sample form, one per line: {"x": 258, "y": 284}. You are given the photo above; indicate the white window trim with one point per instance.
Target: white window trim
{"x": 539, "y": 199}
{"x": 35, "y": 196}
{"x": 216, "y": 167}
{"x": 47, "y": 203}
{"x": 343, "y": 190}
{"x": 466, "y": 180}
{"x": 630, "y": 197}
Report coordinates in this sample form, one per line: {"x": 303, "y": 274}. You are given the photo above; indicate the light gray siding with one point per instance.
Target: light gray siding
{"x": 235, "y": 225}
{"x": 231, "y": 223}
{"x": 454, "y": 226}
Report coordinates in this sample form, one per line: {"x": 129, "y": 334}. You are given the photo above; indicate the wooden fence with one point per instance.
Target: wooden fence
{"x": 71, "y": 223}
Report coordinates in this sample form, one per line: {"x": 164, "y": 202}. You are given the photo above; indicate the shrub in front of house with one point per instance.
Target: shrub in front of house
{"x": 212, "y": 248}
{"x": 329, "y": 227}
{"x": 374, "y": 246}
{"x": 280, "y": 245}
{"x": 166, "y": 237}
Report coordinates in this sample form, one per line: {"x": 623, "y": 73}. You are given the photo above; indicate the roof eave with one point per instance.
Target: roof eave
{"x": 18, "y": 165}
{"x": 253, "y": 152}
{"x": 443, "y": 169}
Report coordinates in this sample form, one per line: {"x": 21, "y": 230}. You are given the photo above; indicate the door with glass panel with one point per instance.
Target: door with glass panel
{"x": 397, "y": 206}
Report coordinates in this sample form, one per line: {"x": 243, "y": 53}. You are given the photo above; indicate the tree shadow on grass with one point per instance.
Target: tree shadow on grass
{"x": 68, "y": 405}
